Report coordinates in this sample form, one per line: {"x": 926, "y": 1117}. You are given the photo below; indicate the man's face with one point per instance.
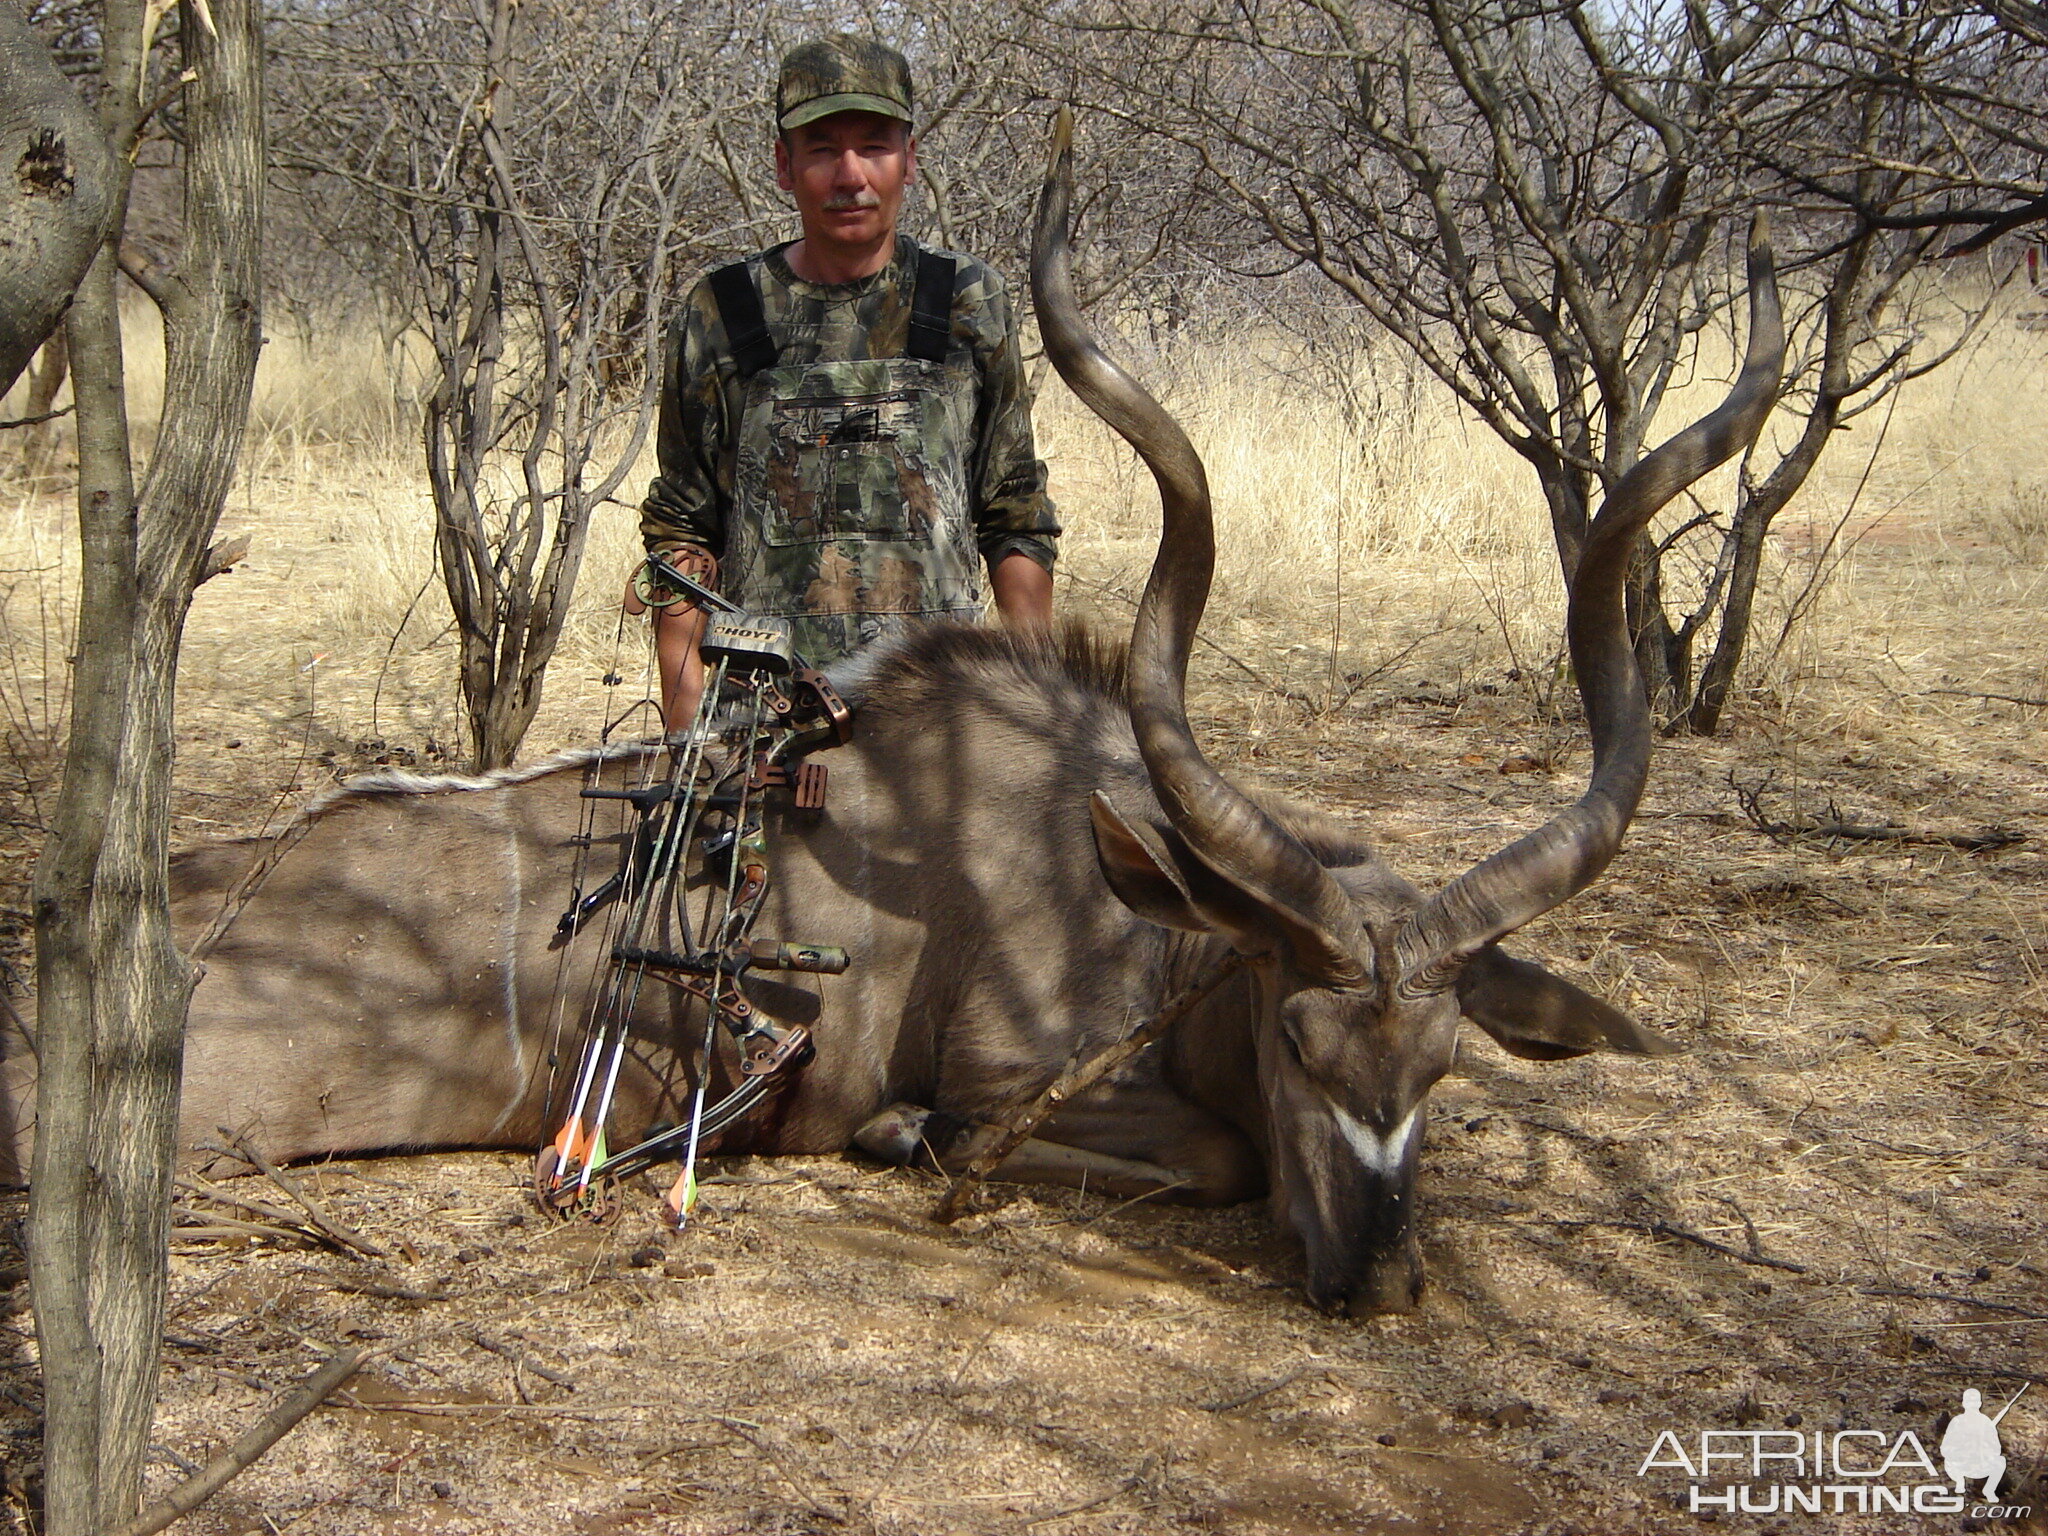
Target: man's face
{"x": 847, "y": 173}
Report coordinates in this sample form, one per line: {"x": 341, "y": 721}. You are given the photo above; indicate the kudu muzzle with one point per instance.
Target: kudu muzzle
{"x": 1351, "y": 1200}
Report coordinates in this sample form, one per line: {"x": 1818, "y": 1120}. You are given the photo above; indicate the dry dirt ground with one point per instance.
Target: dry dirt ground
{"x": 1829, "y": 1213}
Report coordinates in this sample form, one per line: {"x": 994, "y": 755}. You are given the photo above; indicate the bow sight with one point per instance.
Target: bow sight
{"x": 697, "y": 840}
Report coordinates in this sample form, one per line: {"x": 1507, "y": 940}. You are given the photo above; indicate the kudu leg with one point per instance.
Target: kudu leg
{"x": 1193, "y": 1159}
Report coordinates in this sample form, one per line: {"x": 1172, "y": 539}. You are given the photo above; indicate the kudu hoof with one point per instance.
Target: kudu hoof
{"x": 904, "y": 1134}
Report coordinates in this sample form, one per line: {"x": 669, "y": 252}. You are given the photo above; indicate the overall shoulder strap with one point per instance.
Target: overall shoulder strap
{"x": 931, "y": 308}
{"x": 746, "y": 325}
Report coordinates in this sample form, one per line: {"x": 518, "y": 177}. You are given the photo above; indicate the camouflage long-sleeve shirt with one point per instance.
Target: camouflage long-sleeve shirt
{"x": 691, "y": 499}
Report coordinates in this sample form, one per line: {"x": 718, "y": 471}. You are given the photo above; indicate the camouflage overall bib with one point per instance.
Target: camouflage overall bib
{"x": 850, "y": 498}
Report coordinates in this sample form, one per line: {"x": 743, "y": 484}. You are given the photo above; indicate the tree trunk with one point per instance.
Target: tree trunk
{"x": 53, "y": 367}
{"x": 1755, "y": 509}
{"x": 58, "y": 193}
{"x": 1848, "y": 319}
{"x": 59, "y": 188}
{"x": 1660, "y": 653}
{"x": 113, "y": 987}
{"x": 65, "y": 1191}
{"x": 1568, "y": 496}
{"x": 1752, "y": 521}
{"x": 66, "y": 1194}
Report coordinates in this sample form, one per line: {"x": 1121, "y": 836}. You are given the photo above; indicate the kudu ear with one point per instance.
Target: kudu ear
{"x": 1542, "y": 1017}
{"x": 1134, "y": 861}
{"x": 1155, "y": 874}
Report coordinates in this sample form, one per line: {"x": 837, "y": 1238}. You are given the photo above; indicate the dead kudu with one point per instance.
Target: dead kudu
{"x": 1023, "y": 851}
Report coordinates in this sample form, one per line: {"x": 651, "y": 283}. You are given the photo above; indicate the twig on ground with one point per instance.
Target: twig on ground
{"x": 205, "y": 1191}
{"x": 646, "y": 1459}
{"x": 375, "y": 1475}
{"x": 1569, "y": 1133}
{"x": 484, "y": 1341}
{"x": 2002, "y": 698}
{"x": 1243, "y": 1399}
{"x": 241, "y": 1147}
{"x": 383, "y": 1290}
{"x": 1756, "y": 1247}
{"x": 183, "y": 1463}
{"x": 1077, "y": 1077}
{"x": 1134, "y": 1481}
{"x": 1977, "y": 1370}
{"x": 1949, "y": 1296}
{"x": 464, "y": 1410}
{"x": 260, "y": 1437}
{"x": 915, "y": 1444}
{"x": 755, "y": 1436}
{"x": 1666, "y": 1229}
{"x": 210, "y": 1224}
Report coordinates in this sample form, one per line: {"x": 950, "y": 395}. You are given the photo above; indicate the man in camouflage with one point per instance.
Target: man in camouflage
{"x": 847, "y": 450}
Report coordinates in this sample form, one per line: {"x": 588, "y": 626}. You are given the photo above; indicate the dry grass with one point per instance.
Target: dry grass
{"x": 1866, "y": 1088}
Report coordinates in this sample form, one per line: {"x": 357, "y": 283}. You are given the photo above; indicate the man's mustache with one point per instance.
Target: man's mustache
{"x": 849, "y": 202}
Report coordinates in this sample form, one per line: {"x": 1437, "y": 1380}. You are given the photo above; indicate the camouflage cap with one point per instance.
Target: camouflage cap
{"x": 842, "y": 73}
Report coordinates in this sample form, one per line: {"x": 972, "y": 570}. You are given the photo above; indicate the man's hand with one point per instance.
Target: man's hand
{"x": 1023, "y": 591}
{"x": 677, "y": 630}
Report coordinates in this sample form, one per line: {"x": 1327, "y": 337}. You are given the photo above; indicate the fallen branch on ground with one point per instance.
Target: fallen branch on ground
{"x": 2002, "y": 698}
{"x": 1961, "y": 1301}
{"x": 484, "y": 1341}
{"x": 205, "y": 1191}
{"x": 1666, "y": 1229}
{"x": 757, "y": 1437}
{"x": 260, "y": 1437}
{"x": 386, "y": 1470}
{"x": 1077, "y": 1077}
{"x": 1135, "y": 1481}
{"x": 383, "y": 1290}
{"x": 268, "y": 1220}
{"x": 188, "y": 1225}
{"x": 595, "y": 1411}
{"x": 241, "y": 1148}
{"x": 1834, "y": 827}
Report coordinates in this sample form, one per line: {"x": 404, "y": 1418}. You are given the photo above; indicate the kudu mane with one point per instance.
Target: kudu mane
{"x": 1074, "y": 680}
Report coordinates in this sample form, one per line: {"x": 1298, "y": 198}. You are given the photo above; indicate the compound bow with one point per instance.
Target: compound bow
{"x": 762, "y": 710}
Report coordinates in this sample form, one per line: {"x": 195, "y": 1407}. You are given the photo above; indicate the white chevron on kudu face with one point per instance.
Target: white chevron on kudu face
{"x": 1382, "y": 1154}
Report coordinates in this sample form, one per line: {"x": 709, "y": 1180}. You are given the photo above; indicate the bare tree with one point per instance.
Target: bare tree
{"x": 1538, "y": 201}
{"x": 538, "y": 206}
{"x": 112, "y": 987}
{"x": 1967, "y": 154}
{"x": 528, "y": 324}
